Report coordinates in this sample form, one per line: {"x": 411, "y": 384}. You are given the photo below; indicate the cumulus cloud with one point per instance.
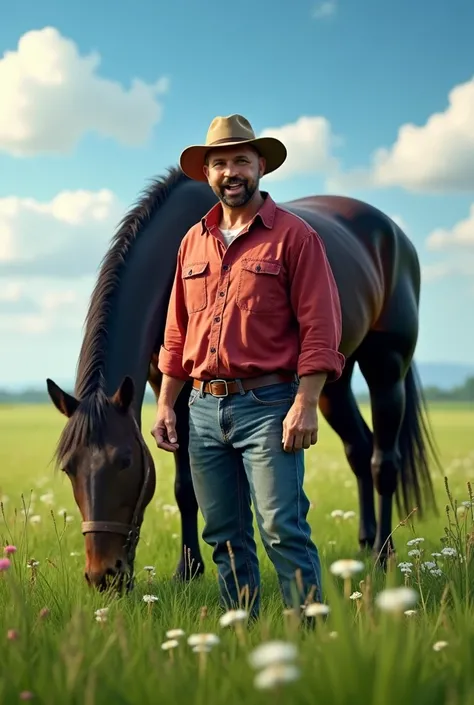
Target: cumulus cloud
{"x": 456, "y": 245}
{"x": 461, "y": 235}
{"x": 66, "y": 236}
{"x": 326, "y": 8}
{"x": 435, "y": 157}
{"x": 43, "y": 305}
{"x": 309, "y": 142}
{"x": 52, "y": 95}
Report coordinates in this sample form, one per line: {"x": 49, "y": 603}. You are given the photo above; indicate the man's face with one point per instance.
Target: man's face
{"x": 234, "y": 174}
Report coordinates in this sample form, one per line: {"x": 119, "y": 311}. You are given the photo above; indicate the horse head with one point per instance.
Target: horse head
{"x": 102, "y": 451}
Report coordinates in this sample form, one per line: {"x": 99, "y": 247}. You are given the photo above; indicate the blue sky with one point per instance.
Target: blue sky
{"x": 347, "y": 75}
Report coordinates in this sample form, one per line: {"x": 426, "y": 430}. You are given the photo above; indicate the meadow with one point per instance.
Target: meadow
{"x": 55, "y": 648}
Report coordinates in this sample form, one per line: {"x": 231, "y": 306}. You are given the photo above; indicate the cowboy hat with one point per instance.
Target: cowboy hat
{"x": 228, "y": 132}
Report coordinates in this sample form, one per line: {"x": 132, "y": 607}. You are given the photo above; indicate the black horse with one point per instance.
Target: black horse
{"x": 101, "y": 448}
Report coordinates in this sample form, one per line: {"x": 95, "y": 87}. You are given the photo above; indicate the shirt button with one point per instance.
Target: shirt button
{"x": 213, "y": 350}
{"x": 258, "y": 268}
{"x": 190, "y": 271}
{"x": 225, "y": 267}
{"x": 221, "y": 293}
{"x": 217, "y": 319}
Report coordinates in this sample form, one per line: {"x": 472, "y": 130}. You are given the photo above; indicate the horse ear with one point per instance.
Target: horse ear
{"x": 123, "y": 397}
{"x": 64, "y": 402}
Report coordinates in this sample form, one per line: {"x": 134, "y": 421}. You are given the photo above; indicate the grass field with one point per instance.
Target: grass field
{"x": 54, "y": 651}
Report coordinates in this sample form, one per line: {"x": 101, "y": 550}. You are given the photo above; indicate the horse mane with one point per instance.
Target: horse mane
{"x": 87, "y": 423}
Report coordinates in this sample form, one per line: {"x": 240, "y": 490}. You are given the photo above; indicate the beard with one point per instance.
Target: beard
{"x": 241, "y": 197}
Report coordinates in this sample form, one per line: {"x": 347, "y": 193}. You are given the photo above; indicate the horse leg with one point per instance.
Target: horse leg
{"x": 383, "y": 363}
{"x": 339, "y": 407}
{"x": 191, "y": 564}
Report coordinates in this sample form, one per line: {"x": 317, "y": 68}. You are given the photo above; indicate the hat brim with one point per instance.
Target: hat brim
{"x": 192, "y": 159}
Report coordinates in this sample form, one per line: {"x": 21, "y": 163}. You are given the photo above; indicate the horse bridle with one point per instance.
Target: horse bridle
{"x": 132, "y": 530}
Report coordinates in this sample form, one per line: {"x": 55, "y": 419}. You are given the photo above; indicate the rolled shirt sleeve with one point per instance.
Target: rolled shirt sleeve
{"x": 315, "y": 301}
{"x": 170, "y": 359}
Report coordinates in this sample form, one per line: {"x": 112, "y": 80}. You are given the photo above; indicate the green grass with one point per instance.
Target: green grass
{"x": 374, "y": 658}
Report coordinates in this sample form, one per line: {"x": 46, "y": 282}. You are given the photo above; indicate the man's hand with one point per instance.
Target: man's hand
{"x": 164, "y": 429}
{"x": 300, "y": 427}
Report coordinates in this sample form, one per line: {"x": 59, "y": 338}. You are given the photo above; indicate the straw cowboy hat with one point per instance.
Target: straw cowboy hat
{"x": 227, "y": 132}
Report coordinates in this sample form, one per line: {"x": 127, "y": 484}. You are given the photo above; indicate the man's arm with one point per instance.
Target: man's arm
{"x": 315, "y": 301}
{"x": 170, "y": 364}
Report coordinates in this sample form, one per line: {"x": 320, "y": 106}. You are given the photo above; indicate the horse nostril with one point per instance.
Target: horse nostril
{"x": 118, "y": 564}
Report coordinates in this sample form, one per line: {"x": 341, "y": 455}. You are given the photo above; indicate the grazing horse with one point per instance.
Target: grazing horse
{"x": 101, "y": 447}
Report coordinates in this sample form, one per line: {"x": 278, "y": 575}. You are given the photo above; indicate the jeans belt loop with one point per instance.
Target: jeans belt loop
{"x": 240, "y": 386}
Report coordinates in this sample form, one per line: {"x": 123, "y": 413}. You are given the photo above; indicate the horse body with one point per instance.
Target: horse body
{"x": 377, "y": 273}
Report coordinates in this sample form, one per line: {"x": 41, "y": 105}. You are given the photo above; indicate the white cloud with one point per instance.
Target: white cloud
{"x": 309, "y": 143}
{"x": 51, "y": 96}
{"x": 461, "y": 235}
{"x": 435, "y": 157}
{"x": 43, "y": 305}
{"x": 66, "y": 236}
{"x": 326, "y": 8}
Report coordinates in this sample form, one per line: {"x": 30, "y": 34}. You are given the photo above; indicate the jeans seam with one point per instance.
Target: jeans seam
{"x": 242, "y": 536}
{"x": 298, "y": 512}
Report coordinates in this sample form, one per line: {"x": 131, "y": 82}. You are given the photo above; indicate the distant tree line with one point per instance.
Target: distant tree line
{"x": 463, "y": 393}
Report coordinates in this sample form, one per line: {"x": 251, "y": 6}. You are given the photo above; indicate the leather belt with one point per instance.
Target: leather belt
{"x": 224, "y": 387}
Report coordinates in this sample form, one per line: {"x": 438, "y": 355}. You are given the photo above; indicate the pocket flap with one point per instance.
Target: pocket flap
{"x": 194, "y": 269}
{"x": 261, "y": 266}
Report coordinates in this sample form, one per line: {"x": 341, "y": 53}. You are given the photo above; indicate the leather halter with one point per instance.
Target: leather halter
{"x": 132, "y": 530}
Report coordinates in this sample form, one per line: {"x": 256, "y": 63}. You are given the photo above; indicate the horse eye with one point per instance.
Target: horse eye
{"x": 125, "y": 459}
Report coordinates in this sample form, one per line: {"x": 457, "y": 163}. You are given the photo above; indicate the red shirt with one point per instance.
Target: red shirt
{"x": 267, "y": 303}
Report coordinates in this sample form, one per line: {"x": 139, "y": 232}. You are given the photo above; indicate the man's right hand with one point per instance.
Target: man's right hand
{"x": 164, "y": 429}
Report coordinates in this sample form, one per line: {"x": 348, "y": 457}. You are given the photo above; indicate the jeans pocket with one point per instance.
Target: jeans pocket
{"x": 193, "y": 395}
{"x": 274, "y": 394}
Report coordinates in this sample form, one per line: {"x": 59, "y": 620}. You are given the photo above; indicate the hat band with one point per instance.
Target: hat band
{"x": 229, "y": 139}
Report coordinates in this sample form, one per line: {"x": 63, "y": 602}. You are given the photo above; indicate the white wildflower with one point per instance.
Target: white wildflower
{"x": 437, "y": 646}
{"x": 349, "y": 515}
{"x": 316, "y": 609}
{"x": 337, "y": 513}
{"x": 396, "y": 599}
{"x": 149, "y": 568}
{"x": 437, "y": 555}
{"x": 333, "y": 635}
{"x": 410, "y": 613}
{"x": 346, "y": 567}
{"x": 437, "y": 572}
{"x": 175, "y": 633}
{"x": 170, "y": 644}
{"x": 272, "y": 652}
{"x": 447, "y": 551}
{"x": 275, "y": 675}
{"x": 101, "y": 612}
{"x": 74, "y": 553}
{"x": 150, "y": 598}
{"x": 202, "y": 639}
{"x": 414, "y": 552}
{"x": 415, "y": 542}
{"x": 428, "y": 565}
{"x": 232, "y": 617}
{"x": 35, "y": 519}
{"x": 356, "y": 595}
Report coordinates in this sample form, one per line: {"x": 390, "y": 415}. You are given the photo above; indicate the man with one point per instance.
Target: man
{"x": 254, "y": 318}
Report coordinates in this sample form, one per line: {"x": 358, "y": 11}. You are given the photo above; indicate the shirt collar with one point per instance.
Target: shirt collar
{"x": 266, "y": 214}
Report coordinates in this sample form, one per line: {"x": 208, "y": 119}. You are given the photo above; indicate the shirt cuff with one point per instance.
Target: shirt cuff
{"x": 170, "y": 363}
{"x": 323, "y": 360}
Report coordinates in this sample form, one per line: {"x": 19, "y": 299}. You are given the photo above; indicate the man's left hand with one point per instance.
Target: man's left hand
{"x": 300, "y": 427}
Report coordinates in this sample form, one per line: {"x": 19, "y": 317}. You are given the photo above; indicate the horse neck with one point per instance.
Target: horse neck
{"x": 137, "y": 315}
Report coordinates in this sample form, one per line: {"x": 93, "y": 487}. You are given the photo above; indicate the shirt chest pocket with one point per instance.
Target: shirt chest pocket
{"x": 195, "y": 276}
{"x": 260, "y": 287}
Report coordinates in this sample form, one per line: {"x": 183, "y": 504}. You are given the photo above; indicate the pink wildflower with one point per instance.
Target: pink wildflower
{"x": 8, "y": 550}
{"x": 12, "y": 635}
{"x": 4, "y": 564}
{"x": 26, "y": 695}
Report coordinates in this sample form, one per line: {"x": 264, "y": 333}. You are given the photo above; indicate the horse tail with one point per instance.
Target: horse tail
{"x": 416, "y": 443}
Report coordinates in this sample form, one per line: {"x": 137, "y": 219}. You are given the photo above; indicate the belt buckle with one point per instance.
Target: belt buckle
{"x": 219, "y": 396}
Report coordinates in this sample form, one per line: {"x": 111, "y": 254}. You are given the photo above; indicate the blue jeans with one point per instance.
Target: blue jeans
{"x": 237, "y": 457}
